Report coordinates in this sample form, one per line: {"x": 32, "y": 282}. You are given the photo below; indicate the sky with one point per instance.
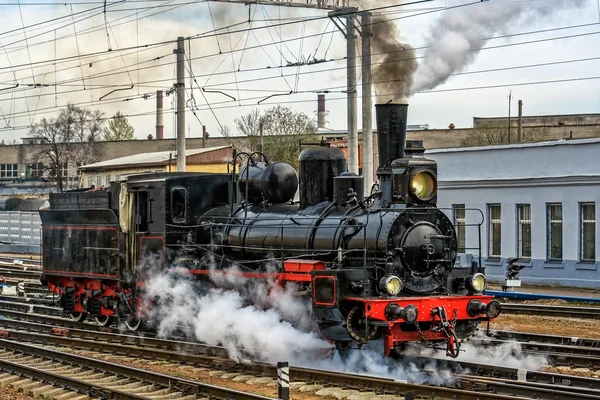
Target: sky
{"x": 102, "y": 54}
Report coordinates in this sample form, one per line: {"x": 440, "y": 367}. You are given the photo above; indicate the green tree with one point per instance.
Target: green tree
{"x": 283, "y": 129}
{"x": 68, "y": 141}
{"x": 118, "y": 128}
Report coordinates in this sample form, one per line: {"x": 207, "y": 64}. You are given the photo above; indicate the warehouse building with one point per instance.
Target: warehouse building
{"x": 212, "y": 159}
{"x": 533, "y": 201}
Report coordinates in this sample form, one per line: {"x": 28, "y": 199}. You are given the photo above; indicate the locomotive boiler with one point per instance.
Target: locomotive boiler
{"x": 379, "y": 266}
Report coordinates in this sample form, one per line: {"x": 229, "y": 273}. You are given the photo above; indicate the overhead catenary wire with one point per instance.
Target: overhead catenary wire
{"x": 343, "y": 98}
{"x": 332, "y": 60}
{"x": 211, "y": 85}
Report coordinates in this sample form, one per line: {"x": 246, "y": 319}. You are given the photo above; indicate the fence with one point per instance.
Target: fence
{"x": 20, "y": 232}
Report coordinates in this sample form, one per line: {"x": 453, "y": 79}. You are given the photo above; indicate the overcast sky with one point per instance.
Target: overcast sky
{"x": 251, "y": 75}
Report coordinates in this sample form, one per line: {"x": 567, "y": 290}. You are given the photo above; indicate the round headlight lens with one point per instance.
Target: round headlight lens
{"x": 391, "y": 284}
{"x": 478, "y": 282}
{"x": 423, "y": 185}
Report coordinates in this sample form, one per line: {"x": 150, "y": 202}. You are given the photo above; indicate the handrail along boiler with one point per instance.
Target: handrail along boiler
{"x": 380, "y": 267}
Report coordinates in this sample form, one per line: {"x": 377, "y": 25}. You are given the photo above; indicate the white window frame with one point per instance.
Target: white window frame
{"x": 491, "y": 238}
{"x": 460, "y": 227}
{"x": 581, "y": 231}
{"x": 549, "y": 223}
{"x": 521, "y": 222}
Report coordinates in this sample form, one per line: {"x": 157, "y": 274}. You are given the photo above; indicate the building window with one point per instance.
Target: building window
{"x": 587, "y": 212}
{"x": 117, "y": 178}
{"x": 178, "y": 205}
{"x": 37, "y": 170}
{"x": 459, "y": 224}
{"x": 524, "y": 230}
{"x": 494, "y": 230}
{"x": 90, "y": 180}
{"x": 9, "y": 171}
{"x": 555, "y": 245}
{"x": 107, "y": 180}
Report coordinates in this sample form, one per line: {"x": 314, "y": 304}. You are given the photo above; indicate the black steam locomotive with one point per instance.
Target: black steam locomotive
{"x": 379, "y": 266}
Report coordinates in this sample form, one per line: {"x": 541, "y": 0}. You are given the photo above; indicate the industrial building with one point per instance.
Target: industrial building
{"x": 211, "y": 159}
{"x": 533, "y": 201}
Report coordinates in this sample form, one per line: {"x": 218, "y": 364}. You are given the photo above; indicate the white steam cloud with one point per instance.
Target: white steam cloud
{"x": 457, "y": 36}
{"x": 263, "y": 321}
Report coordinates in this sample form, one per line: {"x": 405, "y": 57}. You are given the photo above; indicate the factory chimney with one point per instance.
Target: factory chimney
{"x": 321, "y": 113}
{"x": 159, "y": 114}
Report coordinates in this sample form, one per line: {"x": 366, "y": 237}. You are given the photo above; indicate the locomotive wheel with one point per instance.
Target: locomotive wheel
{"x": 104, "y": 320}
{"x": 133, "y": 324}
{"x": 356, "y": 324}
{"x": 78, "y": 316}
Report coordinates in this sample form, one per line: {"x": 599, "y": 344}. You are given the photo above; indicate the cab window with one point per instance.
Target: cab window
{"x": 178, "y": 205}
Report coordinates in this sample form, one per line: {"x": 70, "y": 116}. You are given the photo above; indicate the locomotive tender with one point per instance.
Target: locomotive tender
{"x": 374, "y": 267}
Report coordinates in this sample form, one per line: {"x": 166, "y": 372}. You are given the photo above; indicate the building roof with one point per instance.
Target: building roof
{"x": 560, "y": 142}
{"x": 558, "y": 161}
{"x": 146, "y": 159}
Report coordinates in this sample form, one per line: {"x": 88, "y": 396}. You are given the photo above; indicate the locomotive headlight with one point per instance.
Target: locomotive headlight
{"x": 391, "y": 284}
{"x": 423, "y": 186}
{"x": 478, "y": 282}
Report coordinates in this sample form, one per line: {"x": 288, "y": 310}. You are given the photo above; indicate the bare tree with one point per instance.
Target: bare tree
{"x": 249, "y": 125}
{"x": 68, "y": 141}
{"x": 486, "y": 135}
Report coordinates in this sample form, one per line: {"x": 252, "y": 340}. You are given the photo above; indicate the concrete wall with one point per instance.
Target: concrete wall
{"x": 541, "y": 120}
{"x": 565, "y": 172}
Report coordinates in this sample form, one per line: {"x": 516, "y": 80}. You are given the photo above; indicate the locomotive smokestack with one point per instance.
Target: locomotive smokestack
{"x": 321, "y": 113}
{"x": 159, "y": 114}
{"x": 391, "y": 132}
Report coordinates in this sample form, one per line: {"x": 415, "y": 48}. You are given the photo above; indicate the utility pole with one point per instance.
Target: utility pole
{"x": 509, "y": 100}
{"x": 203, "y": 136}
{"x": 367, "y": 106}
{"x": 352, "y": 95}
{"x": 180, "y": 51}
{"x": 520, "y": 127}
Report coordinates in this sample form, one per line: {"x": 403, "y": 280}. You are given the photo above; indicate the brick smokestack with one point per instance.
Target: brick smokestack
{"x": 159, "y": 115}
{"x": 321, "y": 113}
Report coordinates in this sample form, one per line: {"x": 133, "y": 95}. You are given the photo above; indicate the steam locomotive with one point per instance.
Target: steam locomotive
{"x": 374, "y": 267}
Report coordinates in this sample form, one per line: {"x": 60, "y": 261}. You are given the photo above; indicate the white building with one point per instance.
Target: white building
{"x": 534, "y": 201}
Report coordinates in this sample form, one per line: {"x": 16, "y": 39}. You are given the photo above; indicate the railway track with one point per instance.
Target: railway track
{"x": 506, "y": 381}
{"x": 555, "y": 311}
{"x": 99, "y": 379}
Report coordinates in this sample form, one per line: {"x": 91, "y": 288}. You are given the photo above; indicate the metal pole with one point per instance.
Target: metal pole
{"x": 260, "y": 140}
{"x": 367, "y": 106}
{"x": 352, "y": 96}
{"x": 520, "y": 127}
{"x": 180, "y": 105}
{"x": 203, "y": 136}
{"x": 283, "y": 381}
{"x": 509, "y": 101}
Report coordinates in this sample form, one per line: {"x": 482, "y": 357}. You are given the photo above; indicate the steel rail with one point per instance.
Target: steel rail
{"x": 24, "y": 259}
{"x": 540, "y": 338}
{"x": 554, "y": 311}
{"x": 106, "y": 341}
{"x": 513, "y": 382}
{"x": 30, "y": 308}
{"x": 536, "y": 347}
{"x": 66, "y": 382}
{"x": 184, "y": 385}
{"x": 19, "y": 273}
